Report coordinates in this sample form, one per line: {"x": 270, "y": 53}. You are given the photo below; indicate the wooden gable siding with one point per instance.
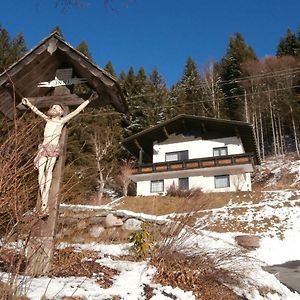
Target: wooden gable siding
{"x": 41, "y": 63}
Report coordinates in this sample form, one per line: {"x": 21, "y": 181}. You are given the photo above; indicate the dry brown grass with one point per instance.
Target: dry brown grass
{"x": 161, "y": 205}
{"x": 68, "y": 262}
{"x": 18, "y": 183}
{"x": 91, "y": 201}
{"x": 73, "y": 298}
{"x": 8, "y": 293}
{"x": 193, "y": 273}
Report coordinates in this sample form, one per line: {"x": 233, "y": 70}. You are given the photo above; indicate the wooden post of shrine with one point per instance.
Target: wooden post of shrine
{"x": 41, "y": 243}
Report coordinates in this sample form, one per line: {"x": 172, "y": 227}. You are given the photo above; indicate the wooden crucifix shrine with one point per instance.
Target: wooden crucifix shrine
{"x": 49, "y": 161}
{"x": 43, "y": 79}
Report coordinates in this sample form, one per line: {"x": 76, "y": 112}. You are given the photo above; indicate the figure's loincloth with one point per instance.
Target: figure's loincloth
{"x": 46, "y": 150}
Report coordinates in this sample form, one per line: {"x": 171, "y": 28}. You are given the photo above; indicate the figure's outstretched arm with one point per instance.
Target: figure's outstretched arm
{"x": 26, "y": 102}
{"x": 79, "y": 108}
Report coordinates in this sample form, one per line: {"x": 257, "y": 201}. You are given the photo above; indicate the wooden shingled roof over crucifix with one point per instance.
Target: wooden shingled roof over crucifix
{"x": 45, "y": 77}
{"x": 35, "y": 76}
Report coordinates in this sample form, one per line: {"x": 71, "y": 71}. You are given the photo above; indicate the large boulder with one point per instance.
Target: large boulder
{"x": 112, "y": 221}
{"x": 97, "y": 220}
{"x": 132, "y": 224}
{"x": 248, "y": 241}
{"x": 95, "y": 231}
{"x": 82, "y": 224}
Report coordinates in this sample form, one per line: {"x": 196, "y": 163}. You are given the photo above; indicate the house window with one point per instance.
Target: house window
{"x": 157, "y": 186}
{"x": 220, "y": 151}
{"x": 222, "y": 181}
{"x": 183, "y": 183}
{"x": 178, "y": 155}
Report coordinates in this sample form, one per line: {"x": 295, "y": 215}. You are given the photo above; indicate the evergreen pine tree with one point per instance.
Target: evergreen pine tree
{"x": 159, "y": 98}
{"x": 10, "y": 49}
{"x": 141, "y": 81}
{"x": 84, "y": 49}
{"x": 58, "y": 30}
{"x": 186, "y": 93}
{"x": 289, "y": 44}
{"x": 138, "y": 100}
{"x": 156, "y": 79}
{"x": 129, "y": 84}
{"x": 237, "y": 53}
{"x": 110, "y": 68}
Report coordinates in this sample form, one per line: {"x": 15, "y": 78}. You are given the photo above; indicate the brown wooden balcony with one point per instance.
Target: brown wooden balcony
{"x": 207, "y": 162}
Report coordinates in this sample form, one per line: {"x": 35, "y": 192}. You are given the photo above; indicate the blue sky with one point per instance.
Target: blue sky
{"x": 156, "y": 33}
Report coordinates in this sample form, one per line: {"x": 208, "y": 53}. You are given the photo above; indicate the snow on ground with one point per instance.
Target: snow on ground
{"x": 142, "y": 216}
{"x": 276, "y": 219}
{"x": 115, "y": 249}
{"x": 280, "y": 242}
{"x": 223, "y": 245}
{"x": 276, "y": 215}
{"x": 129, "y": 284}
{"x": 276, "y": 168}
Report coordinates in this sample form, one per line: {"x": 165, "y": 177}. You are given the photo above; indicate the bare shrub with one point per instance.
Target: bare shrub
{"x": 18, "y": 194}
{"x": 193, "y": 273}
{"x": 184, "y": 259}
{"x": 174, "y": 191}
{"x": 8, "y": 293}
{"x": 18, "y": 183}
{"x": 126, "y": 170}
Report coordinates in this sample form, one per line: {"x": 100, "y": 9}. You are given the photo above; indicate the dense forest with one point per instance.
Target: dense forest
{"x": 264, "y": 92}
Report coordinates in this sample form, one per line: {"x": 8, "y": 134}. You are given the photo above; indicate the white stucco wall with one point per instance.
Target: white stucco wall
{"x": 197, "y": 148}
{"x": 238, "y": 182}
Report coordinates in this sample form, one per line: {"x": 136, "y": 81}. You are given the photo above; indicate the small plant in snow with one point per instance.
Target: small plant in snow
{"x": 142, "y": 241}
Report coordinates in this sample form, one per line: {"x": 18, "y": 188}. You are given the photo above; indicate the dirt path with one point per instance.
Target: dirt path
{"x": 288, "y": 273}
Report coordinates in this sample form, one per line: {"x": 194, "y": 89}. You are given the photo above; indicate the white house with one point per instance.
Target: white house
{"x": 194, "y": 152}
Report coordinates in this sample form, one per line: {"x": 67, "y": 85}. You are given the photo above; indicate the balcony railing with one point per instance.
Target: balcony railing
{"x": 208, "y": 162}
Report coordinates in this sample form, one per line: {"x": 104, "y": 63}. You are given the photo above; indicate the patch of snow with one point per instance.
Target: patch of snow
{"x": 80, "y": 207}
{"x": 160, "y": 293}
{"x": 260, "y": 279}
{"x": 142, "y": 216}
{"x": 114, "y": 249}
{"x": 277, "y": 251}
{"x": 128, "y": 285}
{"x": 217, "y": 244}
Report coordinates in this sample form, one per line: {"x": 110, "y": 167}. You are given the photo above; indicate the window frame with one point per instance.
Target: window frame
{"x": 219, "y": 149}
{"x": 179, "y": 155}
{"x": 187, "y": 186}
{"x": 157, "y": 181}
{"x": 227, "y": 176}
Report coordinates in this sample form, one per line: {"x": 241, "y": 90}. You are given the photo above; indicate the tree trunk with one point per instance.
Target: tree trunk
{"x": 256, "y": 131}
{"x": 246, "y": 106}
{"x": 281, "y": 135}
{"x": 272, "y": 124}
{"x": 294, "y": 131}
{"x": 262, "y": 136}
{"x": 100, "y": 194}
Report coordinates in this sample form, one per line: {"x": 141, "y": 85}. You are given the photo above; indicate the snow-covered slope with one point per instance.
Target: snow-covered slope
{"x": 275, "y": 217}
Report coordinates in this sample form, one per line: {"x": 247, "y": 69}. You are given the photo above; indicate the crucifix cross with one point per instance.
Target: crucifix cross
{"x": 49, "y": 161}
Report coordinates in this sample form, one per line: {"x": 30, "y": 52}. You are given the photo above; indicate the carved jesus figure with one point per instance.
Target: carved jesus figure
{"x": 50, "y": 148}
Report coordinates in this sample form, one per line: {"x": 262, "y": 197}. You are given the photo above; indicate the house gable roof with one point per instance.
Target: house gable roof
{"x": 41, "y": 63}
{"x": 207, "y": 128}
